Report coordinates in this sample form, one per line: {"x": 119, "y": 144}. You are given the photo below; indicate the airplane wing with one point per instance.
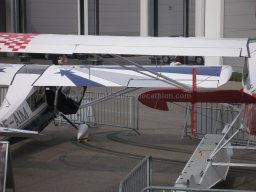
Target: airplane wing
{"x": 116, "y": 76}
{"x": 12, "y": 132}
{"x": 7, "y": 72}
{"x": 69, "y": 44}
{"x": 130, "y": 76}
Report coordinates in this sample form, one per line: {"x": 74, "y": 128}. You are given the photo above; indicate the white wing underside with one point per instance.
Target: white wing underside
{"x": 117, "y": 76}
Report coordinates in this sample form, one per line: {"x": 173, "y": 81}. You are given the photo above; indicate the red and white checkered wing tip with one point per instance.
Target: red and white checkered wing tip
{"x": 15, "y": 42}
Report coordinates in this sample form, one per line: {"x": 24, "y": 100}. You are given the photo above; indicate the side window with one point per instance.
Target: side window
{"x": 36, "y": 99}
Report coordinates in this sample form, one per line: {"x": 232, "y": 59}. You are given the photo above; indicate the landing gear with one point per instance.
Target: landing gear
{"x": 82, "y": 129}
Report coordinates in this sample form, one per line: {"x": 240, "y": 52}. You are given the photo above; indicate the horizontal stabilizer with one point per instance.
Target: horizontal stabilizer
{"x": 12, "y": 132}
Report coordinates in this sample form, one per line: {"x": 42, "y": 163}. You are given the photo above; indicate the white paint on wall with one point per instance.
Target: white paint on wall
{"x": 214, "y": 21}
{"x": 199, "y": 18}
{"x": 144, "y": 17}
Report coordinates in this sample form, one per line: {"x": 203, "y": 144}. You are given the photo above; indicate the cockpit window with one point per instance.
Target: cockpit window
{"x": 33, "y": 69}
{"x": 36, "y": 99}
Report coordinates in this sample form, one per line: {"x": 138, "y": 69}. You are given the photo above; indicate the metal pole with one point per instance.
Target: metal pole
{"x": 16, "y": 14}
{"x": 22, "y": 17}
{"x": 96, "y": 17}
{"x": 2, "y": 16}
{"x": 185, "y": 23}
{"x": 155, "y": 18}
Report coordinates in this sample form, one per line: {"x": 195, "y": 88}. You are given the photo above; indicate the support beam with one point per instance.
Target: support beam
{"x": 144, "y": 17}
{"x": 2, "y": 16}
{"x": 12, "y": 15}
{"x": 214, "y": 21}
{"x": 83, "y": 17}
{"x": 214, "y": 18}
{"x": 86, "y": 17}
{"x": 199, "y": 18}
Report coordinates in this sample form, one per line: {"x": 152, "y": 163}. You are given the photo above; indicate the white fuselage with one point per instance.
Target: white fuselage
{"x": 23, "y": 103}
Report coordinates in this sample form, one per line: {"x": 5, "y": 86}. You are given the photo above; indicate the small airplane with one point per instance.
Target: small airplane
{"x": 37, "y": 93}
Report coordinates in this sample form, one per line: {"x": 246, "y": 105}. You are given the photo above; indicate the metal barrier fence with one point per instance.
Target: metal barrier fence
{"x": 211, "y": 119}
{"x": 138, "y": 178}
{"x": 175, "y": 189}
{"x": 119, "y": 111}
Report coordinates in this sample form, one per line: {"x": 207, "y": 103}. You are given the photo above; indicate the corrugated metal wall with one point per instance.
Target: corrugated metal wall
{"x": 52, "y": 16}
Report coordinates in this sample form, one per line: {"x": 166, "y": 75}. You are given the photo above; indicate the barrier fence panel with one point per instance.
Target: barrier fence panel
{"x": 175, "y": 189}
{"x": 138, "y": 178}
{"x": 119, "y": 111}
{"x": 211, "y": 118}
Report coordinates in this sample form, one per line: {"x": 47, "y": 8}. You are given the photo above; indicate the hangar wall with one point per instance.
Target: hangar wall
{"x": 239, "y": 22}
{"x": 240, "y": 18}
{"x": 119, "y": 17}
{"x": 122, "y": 17}
{"x": 116, "y": 17}
{"x": 170, "y": 18}
{"x": 52, "y": 16}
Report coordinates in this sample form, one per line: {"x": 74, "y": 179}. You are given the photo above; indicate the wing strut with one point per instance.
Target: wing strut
{"x": 193, "y": 121}
{"x": 154, "y": 75}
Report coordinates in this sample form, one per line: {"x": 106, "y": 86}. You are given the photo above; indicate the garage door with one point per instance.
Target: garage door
{"x": 170, "y": 18}
{"x": 119, "y": 17}
{"x": 240, "y": 18}
{"x": 52, "y": 16}
{"x": 239, "y": 22}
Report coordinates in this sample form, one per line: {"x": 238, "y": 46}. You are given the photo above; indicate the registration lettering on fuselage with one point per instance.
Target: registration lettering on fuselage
{"x": 20, "y": 116}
